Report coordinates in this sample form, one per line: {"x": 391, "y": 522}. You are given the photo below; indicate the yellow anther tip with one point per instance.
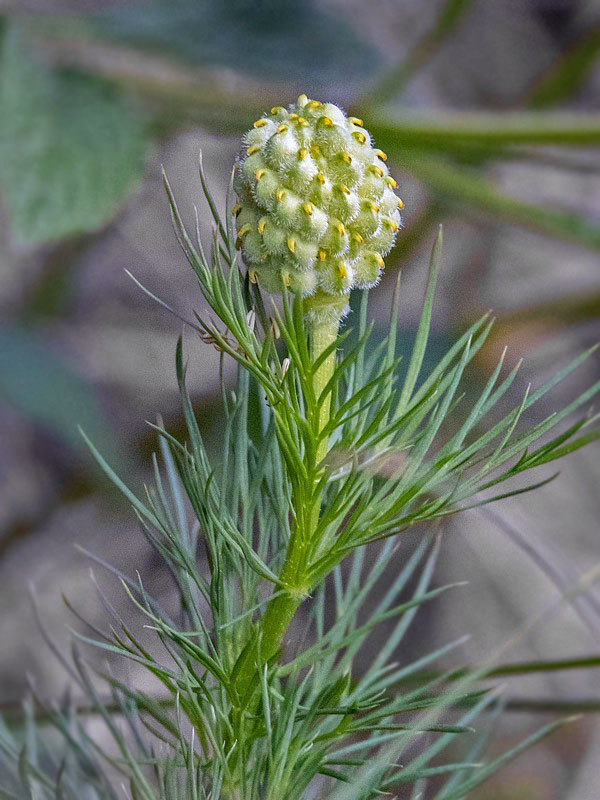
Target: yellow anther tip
{"x": 261, "y": 225}
{"x": 302, "y": 153}
{"x": 391, "y": 182}
{"x": 293, "y": 115}
{"x": 380, "y": 261}
{"x": 315, "y": 104}
{"x": 360, "y": 137}
{"x": 260, "y": 123}
{"x": 322, "y": 255}
{"x": 374, "y": 207}
{"x": 327, "y": 121}
{"x": 346, "y": 157}
{"x": 400, "y": 203}
{"x": 302, "y": 121}
{"x": 357, "y": 121}
{"x": 285, "y": 278}
{"x": 380, "y": 154}
{"x": 276, "y": 109}
{"x": 241, "y": 233}
{"x": 321, "y": 178}
{"x": 282, "y": 128}
{"x": 342, "y": 270}
{"x": 291, "y": 243}
{"x": 308, "y": 208}
{"x": 254, "y": 148}
{"x": 358, "y": 238}
{"x": 260, "y": 173}
{"x": 343, "y": 188}
{"x": 340, "y": 229}
{"x": 252, "y": 276}
{"x": 279, "y": 195}
{"x": 236, "y": 209}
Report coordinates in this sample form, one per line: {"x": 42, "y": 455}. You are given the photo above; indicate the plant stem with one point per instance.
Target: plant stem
{"x": 323, "y": 334}
{"x": 281, "y": 609}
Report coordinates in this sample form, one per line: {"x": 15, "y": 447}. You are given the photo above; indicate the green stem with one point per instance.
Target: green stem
{"x": 281, "y": 609}
{"x": 323, "y": 334}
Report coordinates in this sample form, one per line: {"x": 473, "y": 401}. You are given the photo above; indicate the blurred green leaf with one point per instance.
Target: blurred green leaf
{"x": 469, "y": 189}
{"x": 482, "y": 774}
{"x": 71, "y": 149}
{"x": 568, "y": 309}
{"x": 47, "y": 390}
{"x": 515, "y": 668}
{"x": 462, "y": 130}
{"x": 281, "y": 38}
{"x": 526, "y": 667}
{"x": 394, "y": 80}
{"x": 585, "y": 705}
{"x": 568, "y": 74}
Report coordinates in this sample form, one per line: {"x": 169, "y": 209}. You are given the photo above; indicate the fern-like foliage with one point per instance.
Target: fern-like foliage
{"x": 258, "y": 696}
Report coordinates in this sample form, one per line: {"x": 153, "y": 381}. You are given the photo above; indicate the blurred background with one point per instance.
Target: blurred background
{"x": 489, "y": 111}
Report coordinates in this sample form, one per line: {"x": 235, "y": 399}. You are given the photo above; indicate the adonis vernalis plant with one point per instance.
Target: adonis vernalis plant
{"x": 325, "y": 450}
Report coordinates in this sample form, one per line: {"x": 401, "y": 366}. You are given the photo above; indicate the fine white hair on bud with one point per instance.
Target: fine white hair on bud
{"x": 317, "y": 208}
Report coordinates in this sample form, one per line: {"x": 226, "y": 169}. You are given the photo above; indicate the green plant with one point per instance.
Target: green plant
{"x": 86, "y": 99}
{"x": 323, "y": 454}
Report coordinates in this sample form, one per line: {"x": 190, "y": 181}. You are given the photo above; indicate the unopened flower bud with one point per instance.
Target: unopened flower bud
{"x": 317, "y": 208}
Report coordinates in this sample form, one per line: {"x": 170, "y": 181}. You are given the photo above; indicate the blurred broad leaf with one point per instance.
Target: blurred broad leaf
{"x": 47, "y": 390}
{"x": 70, "y": 147}
{"x": 284, "y": 39}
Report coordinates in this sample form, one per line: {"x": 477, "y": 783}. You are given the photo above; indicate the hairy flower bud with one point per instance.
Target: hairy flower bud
{"x": 317, "y": 209}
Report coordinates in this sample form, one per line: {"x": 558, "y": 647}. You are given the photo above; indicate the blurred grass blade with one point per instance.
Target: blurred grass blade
{"x": 551, "y": 564}
{"x": 483, "y": 773}
{"x": 394, "y": 80}
{"x": 564, "y": 78}
{"x": 463, "y": 131}
{"x": 470, "y": 190}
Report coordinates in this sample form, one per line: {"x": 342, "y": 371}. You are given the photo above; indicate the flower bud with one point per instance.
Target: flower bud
{"x": 317, "y": 209}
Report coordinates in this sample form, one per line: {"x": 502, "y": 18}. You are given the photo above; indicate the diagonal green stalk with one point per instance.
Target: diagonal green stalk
{"x": 264, "y": 646}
